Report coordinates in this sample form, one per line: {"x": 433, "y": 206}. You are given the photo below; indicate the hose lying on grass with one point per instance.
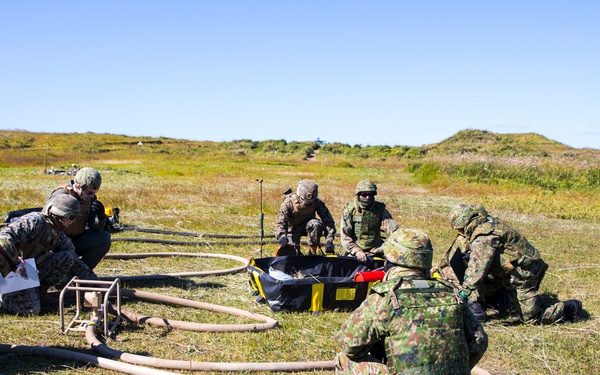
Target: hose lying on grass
{"x": 134, "y": 364}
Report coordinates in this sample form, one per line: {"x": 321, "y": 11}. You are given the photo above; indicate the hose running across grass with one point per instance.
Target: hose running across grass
{"x": 133, "y": 364}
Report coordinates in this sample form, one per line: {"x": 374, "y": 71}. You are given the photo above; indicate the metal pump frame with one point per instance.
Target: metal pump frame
{"x": 105, "y": 288}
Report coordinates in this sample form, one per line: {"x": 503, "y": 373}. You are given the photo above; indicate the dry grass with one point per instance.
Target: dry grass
{"x": 220, "y": 195}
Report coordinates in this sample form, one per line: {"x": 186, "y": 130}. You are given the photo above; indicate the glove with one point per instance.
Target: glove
{"x": 283, "y": 240}
{"x": 97, "y": 209}
{"x": 360, "y": 256}
{"x": 478, "y": 310}
{"x": 329, "y": 247}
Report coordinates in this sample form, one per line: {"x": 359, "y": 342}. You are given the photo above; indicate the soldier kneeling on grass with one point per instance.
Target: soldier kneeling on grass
{"x": 498, "y": 255}
{"x": 40, "y": 235}
{"x": 410, "y": 323}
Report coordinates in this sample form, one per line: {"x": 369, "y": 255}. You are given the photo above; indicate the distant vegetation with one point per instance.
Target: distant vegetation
{"x": 472, "y": 156}
{"x": 547, "y": 190}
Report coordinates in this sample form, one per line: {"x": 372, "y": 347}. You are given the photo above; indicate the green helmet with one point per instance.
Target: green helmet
{"x": 366, "y": 186}
{"x": 9, "y": 256}
{"x": 461, "y": 215}
{"x": 308, "y": 190}
{"x": 408, "y": 247}
{"x": 63, "y": 205}
{"x": 88, "y": 178}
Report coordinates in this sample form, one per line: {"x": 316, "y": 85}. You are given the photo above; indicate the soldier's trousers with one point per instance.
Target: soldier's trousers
{"x": 313, "y": 229}
{"x": 50, "y": 270}
{"x": 524, "y": 283}
{"x": 366, "y": 365}
{"x": 92, "y": 246}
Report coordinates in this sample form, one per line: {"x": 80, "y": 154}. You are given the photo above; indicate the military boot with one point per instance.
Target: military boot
{"x": 572, "y": 310}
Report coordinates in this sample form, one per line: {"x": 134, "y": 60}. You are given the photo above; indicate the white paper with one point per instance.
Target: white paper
{"x": 15, "y": 281}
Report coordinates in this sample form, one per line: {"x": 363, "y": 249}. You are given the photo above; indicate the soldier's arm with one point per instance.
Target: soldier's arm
{"x": 480, "y": 259}
{"x": 282, "y": 220}
{"x": 97, "y": 219}
{"x": 79, "y": 269}
{"x": 347, "y": 233}
{"x": 327, "y": 220}
{"x": 24, "y": 229}
{"x": 388, "y": 224}
{"x": 363, "y": 329}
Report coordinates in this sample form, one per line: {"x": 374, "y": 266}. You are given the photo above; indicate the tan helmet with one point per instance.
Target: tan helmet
{"x": 366, "y": 186}
{"x": 308, "y": 190}
{"x": 461, "y": 215}
{"x": 408, "y": 247}
{"x": 63, "y": 205}
{"x": 9, "y": 256}
{"x": 88, "y": 178}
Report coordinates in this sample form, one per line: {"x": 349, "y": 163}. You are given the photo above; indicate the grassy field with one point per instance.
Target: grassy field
{"x": 212, "y": 188}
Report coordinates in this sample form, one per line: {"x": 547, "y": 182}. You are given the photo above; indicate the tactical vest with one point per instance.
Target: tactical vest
{"x": 301, "y": 213}
{"x": 367, "y": 225}
{"x": 78, "y": 226}
{"x": 512, "y": 247}
{"x": 46, "y": 240}
{"x": 425, "y": 328}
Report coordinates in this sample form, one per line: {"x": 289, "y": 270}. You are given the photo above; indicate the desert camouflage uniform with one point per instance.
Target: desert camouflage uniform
{"x": 54, "y": 253}
{"x": 296, "y": 220}
{"x": 423, "y": 328}
{"x": 361, "y": 229}
{"x": 87, "y": 232}
{"x": 498, "y": 251}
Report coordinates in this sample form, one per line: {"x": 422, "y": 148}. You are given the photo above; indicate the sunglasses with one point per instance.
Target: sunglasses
{"x": 366, "y": 195}
{"x": 71, "y": 217}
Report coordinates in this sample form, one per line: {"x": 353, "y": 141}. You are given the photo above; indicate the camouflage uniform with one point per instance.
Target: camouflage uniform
{"x": 497, "y": 253}
{"x": 360, "y": 229}
{"x": 36, "y": 237}
{"x": 87, "y": 232}
{"x": 297, "y": 218}
{"x": 418, "y": 323}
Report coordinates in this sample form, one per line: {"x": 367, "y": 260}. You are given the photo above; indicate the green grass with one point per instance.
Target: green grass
{"x": 206, "y": 188}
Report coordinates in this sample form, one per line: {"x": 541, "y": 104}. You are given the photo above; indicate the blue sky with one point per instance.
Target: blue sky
{"x": 356, "y": 72}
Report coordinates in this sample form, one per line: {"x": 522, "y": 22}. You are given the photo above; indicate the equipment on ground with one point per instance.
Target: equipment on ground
{"x": 310, "y": 283}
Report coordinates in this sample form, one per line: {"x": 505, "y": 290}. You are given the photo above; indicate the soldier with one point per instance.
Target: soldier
{"x": 297, "y": 218}
{"x": 40, "y": 235}
{"x": 91, "y": 241}
{"x": 410, "y": 323}
{"x": 496, "y": 253}
{"x": 362, "y": 222}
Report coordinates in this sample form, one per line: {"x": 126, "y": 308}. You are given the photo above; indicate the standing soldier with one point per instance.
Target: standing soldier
{"x": 494, "y": 250}
{"x": 91, "y": 241}
{"x": 410, "y": 324}
{"x": 296, "y": 218}
{"x": 40, "y": 235}
{"x": 363, "y": 221}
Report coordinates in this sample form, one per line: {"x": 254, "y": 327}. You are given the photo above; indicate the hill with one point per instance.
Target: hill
{"x": 26, "y": 148}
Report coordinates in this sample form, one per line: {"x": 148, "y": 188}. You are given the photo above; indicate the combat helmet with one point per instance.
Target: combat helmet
{"x": 9, "y": 256}
{"x": 408, "y": 247}
{"x": 63, "y": 205}
{"x": 461, "y": 215}
{"x": 88, "y": 178}
{"x": 307, "y": 191}
{"x": 366, "y": 186}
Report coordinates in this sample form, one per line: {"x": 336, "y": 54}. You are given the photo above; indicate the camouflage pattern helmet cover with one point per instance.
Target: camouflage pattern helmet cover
{"x": 461, "y": 215}
{"x": 88, "y": 178}
{"x": 366, "y": 186}
{"x": 308, "y": 190}
{"x": 63, "y": 205}
{"x": 9, "y": 256}
{"x": 408, "y": 247}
